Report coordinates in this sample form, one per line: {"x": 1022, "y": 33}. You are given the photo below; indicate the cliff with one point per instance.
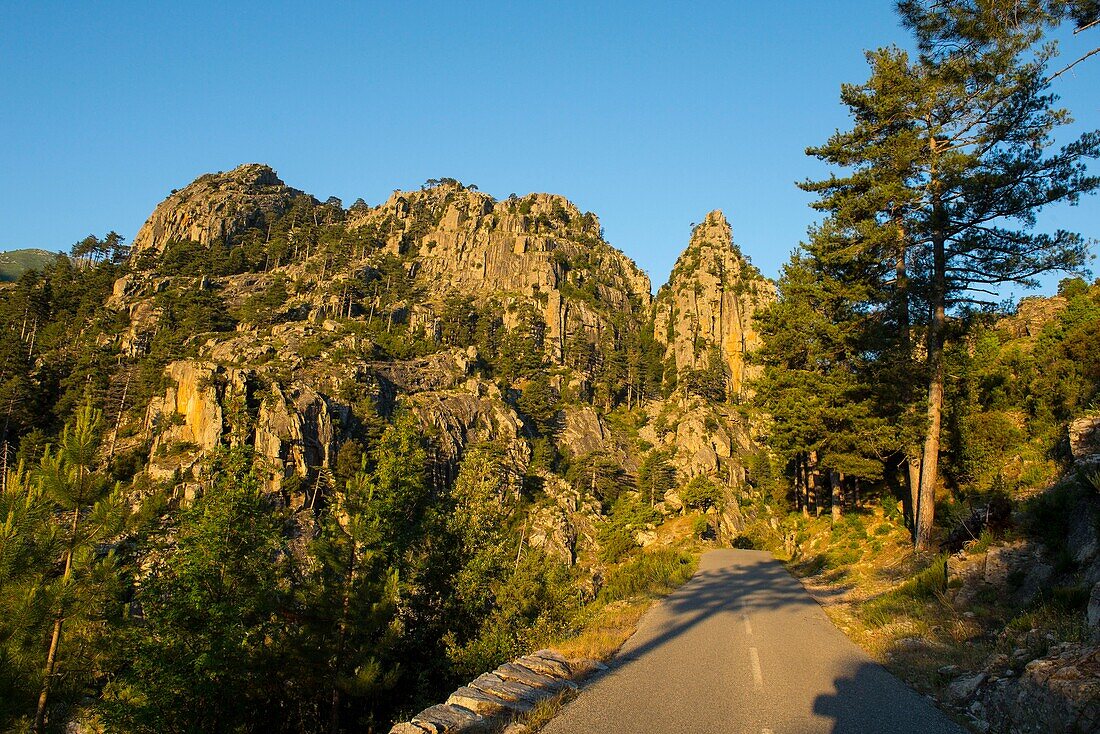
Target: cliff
{"x": 430, "y": 303}
{"x": 709, "y": 303}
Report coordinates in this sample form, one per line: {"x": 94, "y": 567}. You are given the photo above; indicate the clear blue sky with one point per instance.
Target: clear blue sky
{"x": 649, "y": 114}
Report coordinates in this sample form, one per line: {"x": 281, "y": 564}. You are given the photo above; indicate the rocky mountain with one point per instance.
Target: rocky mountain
{"x": 215, "y": 207}
{"x": 444, "y": 303}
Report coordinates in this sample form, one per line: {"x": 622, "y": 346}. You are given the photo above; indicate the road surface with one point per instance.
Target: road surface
{"x": 742, "y": 648}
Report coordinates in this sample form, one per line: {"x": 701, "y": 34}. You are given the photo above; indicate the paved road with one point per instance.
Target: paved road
{"x": 742, "y": 648}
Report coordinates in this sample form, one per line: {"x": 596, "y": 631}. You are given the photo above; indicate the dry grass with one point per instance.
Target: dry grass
{"x": 609, "y": 628}
{"x": 894, "y": 604}
{"x": 546, "y": 710}
{"x": 887, "y": 599}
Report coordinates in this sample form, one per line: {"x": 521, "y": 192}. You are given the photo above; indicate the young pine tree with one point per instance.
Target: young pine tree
{"x": 77, "y": 588}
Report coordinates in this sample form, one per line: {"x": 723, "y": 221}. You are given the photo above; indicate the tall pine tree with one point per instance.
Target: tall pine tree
{"x": 951, "y": 156}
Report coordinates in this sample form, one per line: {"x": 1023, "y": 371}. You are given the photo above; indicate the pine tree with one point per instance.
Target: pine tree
{"x": 814, "y": 385}
{"x": 656, "y": 476}
{"x": 350, "y": 605}
{"x": 208, "y": 643}
{"x": 84, "y": 580}
{"x": 950, "y": 159}
{"x": 25, "y": 554}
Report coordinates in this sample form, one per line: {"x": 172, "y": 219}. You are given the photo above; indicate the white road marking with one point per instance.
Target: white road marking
{"x": 748, "y": 624}
{"x": 766, "y": 731}
{"x": 757, "y": 675}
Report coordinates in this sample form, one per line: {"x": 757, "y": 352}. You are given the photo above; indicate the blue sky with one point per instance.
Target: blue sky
{"x": 649, "y": 114}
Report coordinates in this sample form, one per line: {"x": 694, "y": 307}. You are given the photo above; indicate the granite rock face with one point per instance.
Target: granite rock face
{"x": 1056, "y": 693}
{"x": 291, "y": 381}
{"x": 216, "y": 206}
{"x": 709, "y": 302}
{"x": 1084, "y": 440}
{"x": 538, "y": 249}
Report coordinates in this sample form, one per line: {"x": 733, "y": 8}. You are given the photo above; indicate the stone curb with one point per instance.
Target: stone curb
{"x": 513, "y": 688}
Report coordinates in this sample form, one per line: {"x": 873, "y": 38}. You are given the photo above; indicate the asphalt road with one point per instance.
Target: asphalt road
{"x": 743, "y": 648}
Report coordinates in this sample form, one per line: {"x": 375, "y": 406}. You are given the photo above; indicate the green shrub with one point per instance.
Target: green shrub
{"x": 615, "y": 544}
{"x": 909, "y": 598}
{"x": 649, "y": 573}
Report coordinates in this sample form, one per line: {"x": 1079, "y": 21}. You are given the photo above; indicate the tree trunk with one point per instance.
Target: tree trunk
{"x": 811, "y": 484}
{"x": 836, "y": 479}
{"x": 55, "y": 639}
{"x": 341, "y": 639}
{"x": 51, "y": 663}
{"x": 912, "y": 463}
{"x": 929, "y": 467}
{"x": 801, "y": 491}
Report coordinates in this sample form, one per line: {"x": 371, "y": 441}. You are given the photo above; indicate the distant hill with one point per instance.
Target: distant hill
{"x": 16, "y": 262}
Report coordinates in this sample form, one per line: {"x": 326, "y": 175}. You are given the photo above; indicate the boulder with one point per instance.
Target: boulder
{"x": 1092, "y": 612}
{"x": 1056, "y": 693}
{"x": 554, "y": 534}
{"x": 1084, "y": 439}
{"x": 963, "y": 687}
{"x": 1017, "y": 569}
{"x": 446, "y": 719}
{"x": 484, "y": 703}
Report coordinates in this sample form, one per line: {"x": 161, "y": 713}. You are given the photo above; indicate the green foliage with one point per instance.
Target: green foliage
{"x": 701, "y": 493}
{"x": 925, "y": 587}
{"x": 656, "y": 475}
{"x": 60, "y": 587}
{"x": 598, "y": 475}
{"x": 505, "y": 600}
{"x": 538, "y": 401}
{"x": 537, "y": 604}
{"x": 712, "y": 382}
{"x": 262, "y": 308}
{"x": 207, "y": 644}
{"x": 616, "y": 543}
{"x": 655, "y": 572}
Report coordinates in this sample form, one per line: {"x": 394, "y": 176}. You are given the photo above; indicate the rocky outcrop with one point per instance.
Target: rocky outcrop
{"x": 293, "y": 430}
{"x": 475, "y": 413}
{"x": 296, "y": 434}
{"x": 188, "y": 422}
{"x": 583, "y": 431}
{"x": 1056, "y": 693}
{"x": 566, "y": 522}
{"x": 216, "y": 206}
{"x": 1084, "y": 440}
{"x": 1032, "y": 314}
{"x": 538, "y": 249}
{"x": 513, "y": 689}
{"x": 1016, "y": 571}
{"x": 709, "y": 302}
{"x": 700, "y": 438}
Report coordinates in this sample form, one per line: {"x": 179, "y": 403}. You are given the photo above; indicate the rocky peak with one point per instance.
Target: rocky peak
{"x": 215, "y": 206}
{"x": 540, "y": 248}
{"x": 709, "y": 302}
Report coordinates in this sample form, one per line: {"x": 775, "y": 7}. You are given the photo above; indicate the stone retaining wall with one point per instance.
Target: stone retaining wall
{"x": 513, "y": 689}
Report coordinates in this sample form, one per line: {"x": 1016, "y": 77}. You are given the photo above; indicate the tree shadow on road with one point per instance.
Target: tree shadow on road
{"x": 872, "y": 700}
{"x": 757, "y": 584}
